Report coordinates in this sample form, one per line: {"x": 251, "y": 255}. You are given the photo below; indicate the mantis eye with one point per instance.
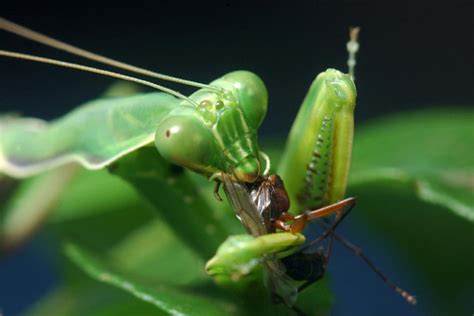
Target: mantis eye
{"x": 185, "y": 141}
{"x": 252, "y": 94}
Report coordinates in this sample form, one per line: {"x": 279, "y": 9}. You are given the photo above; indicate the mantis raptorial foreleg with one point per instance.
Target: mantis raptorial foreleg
{"x": 315, "y": 169}
{"x": 331, "y": 98}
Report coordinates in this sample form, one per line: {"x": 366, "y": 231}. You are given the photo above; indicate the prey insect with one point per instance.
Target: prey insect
{"x": 292, "y": 262}
{"x": 262, "y": 208}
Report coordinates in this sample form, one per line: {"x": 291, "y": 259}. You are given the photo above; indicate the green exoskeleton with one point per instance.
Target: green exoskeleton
{"x": 316, "y": 160}
{"x": 315, "y": 168}
{"x": 212, "y": 131}
{"x": 218, "y": 135}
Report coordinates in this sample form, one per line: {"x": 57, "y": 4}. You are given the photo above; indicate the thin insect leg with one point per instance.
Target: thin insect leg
{"x": 339, "y": 219}
{"x": 300, "y": 220}
{"x": 286, "y": 217}
{"x": 358, "y": 252}
{"x": 328, "y": 252}
{"x": 279, "y": 224}
{"x": 330, "y": 229}
{"x": 299, "y": 224}
{"x": 330, "y": 209}
{"x": 216, "y": 191}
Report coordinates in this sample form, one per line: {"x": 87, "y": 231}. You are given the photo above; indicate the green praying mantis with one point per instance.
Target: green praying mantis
{"x": 214, "y": 133}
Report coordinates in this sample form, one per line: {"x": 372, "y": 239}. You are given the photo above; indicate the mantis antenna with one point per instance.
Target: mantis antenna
{"x": 352, "y": 48}
{"x": 96, "y": 71}
{"x": 51, "y": 42}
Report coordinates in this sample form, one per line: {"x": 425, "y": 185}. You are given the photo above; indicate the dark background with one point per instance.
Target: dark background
{"x": 412, "y": 56}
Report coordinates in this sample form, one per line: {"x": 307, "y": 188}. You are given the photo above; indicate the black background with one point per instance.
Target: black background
{"x": 412, "y": 56}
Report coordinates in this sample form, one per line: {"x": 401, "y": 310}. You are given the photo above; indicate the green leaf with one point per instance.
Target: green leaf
{"x": 180, "y": 200}
{"x": 154, "y": 251}
{"x": 153, "y": 255}
{"x": 413, "y": 176}
{"x": 32, "y": 203}
{"x": 144, "y": 252}
{"x": 170, "y": 299}
{"x": 92, "y": 299}
{"x": 430, "y": 151}
{"x": 141, "y": 254}
{"x": 62, "y": 193}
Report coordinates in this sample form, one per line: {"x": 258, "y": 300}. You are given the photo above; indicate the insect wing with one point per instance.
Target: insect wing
{"x": 280, "y": 284}
{"x": 262, "y": 198}
{"x": 244, "y": 207}
{"x": 93, "y": 135}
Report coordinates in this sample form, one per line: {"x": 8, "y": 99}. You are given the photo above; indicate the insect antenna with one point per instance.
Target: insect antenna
{"x": 94, "y": 70}
{"x": 51, "y": 42}
{"x": 411, "y": 299}
{"x": 352, "y": 48}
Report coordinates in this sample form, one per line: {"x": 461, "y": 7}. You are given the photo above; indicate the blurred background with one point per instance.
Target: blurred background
{"x": 412, "y": 56}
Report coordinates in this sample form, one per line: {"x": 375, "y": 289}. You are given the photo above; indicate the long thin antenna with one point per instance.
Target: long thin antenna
{"x": 352, "y": 48}
{"x": 94, "y": 70}
{"x": 49, "y": 41}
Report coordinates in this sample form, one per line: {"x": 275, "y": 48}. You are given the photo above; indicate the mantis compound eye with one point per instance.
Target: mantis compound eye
{"x": 185, "y": 141}
{"x": 251, "y": 93}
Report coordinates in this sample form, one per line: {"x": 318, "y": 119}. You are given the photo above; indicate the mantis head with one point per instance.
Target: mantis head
{"x": 218, "y": 135}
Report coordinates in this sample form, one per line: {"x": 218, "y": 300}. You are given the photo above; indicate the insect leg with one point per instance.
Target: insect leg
{"x": 411, "y": 299}
{"x": 301, "y": 220}
{"x": 350, "y": 203}
{"x": 217, "y": 196}
{"x": 281, "y": 223}
{"x": 330, "y": 209}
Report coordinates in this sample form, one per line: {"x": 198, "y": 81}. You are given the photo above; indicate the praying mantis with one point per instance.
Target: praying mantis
{"x": 212, "y": 132}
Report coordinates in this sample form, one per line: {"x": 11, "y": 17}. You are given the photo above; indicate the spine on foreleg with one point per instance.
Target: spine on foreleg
{"x": 318, "y": 171}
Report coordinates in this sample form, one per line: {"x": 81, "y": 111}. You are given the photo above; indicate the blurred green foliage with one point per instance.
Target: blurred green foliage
{"x": 136, "y": 237}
